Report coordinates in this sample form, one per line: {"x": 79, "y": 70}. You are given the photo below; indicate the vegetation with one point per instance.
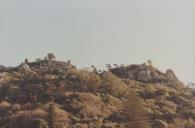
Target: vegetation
{"x": 134, "y": 113}
{"x": 53, "y": 94}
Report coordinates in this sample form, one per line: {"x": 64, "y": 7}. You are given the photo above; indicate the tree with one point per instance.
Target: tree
{"x": 150, "y": 62}
{"x": 51, "y": 56}
{"x": 94, "y": 69}
{"x": 115, "y": 65}
{"x": 52, "y": 115}
{"x": 26, "y": 61}
{"x": 108, "y": 66}
{"x": 38, "y": 60}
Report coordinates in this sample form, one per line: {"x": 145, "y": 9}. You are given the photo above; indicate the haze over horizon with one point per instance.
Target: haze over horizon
{"x": 101, "y": 31}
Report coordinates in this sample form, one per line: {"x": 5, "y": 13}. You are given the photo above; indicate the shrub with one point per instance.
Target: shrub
{"x": 16, "y": 107}
{"x": 113, "y": 84}
{"x": 88, "y": 81}
{"x": 134, "y": 113}
{"x": 189, "y": 113}
{"x": 24, "y": 119}
{"x": 159, "y": 124}
{"x": 39, "y": 123}
{"x": 169, "y": 114}
{"x": 189, "y": 124}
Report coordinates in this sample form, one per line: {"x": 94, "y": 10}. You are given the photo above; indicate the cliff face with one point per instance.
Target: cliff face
{"x": 88, "y": 99}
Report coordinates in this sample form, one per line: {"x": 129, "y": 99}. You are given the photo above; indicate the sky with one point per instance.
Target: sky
{"x": 97, "y": 32}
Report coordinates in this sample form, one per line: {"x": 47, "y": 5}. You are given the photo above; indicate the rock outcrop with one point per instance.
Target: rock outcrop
{"x": 147, "y": 74}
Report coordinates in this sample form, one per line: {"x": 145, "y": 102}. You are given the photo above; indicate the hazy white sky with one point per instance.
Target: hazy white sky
{"x": 101, "y": 31}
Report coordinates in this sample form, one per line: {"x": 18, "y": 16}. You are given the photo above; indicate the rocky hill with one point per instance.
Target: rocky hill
{"x": 55, "y": 94}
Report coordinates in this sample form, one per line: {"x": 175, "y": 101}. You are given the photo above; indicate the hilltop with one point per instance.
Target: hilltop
{"x": 132, "y": 96}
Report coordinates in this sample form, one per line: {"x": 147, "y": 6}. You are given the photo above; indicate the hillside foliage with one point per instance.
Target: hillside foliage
{"x": 133, "y": 96}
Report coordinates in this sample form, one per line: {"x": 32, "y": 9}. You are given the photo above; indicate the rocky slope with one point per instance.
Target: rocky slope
{"x": 92, "y": 99}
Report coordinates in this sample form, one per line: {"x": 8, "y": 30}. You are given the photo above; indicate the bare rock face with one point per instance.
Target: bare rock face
{"x": 171, "y": 75}
{"x": 146, "y": 73}
{"x": 26, "y": 69}
{"x": 172, "y": 79}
